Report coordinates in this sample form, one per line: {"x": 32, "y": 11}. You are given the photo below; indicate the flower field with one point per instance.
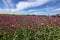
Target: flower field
{"x": 26, "y": 27}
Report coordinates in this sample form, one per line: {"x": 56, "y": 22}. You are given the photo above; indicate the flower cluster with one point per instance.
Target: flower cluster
{"x": 29, "y": 21}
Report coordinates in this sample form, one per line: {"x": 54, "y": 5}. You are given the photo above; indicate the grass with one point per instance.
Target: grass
{"x": 45, "y": 33}
{"x": 25, "y": 28}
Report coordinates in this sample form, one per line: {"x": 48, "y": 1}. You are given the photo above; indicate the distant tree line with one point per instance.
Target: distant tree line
{"x": 57, "y": 15}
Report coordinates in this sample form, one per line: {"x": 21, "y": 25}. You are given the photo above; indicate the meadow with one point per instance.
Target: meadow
{"x": 25, "y": 27}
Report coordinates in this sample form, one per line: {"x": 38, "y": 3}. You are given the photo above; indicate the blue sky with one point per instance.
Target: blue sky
{"x": 36, "y": 7}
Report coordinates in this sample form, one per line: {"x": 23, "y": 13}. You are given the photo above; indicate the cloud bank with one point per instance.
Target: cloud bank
{"x": 20, "y": 6}
{"x": 26, "y": 4}
{"x": 30, "y": 3}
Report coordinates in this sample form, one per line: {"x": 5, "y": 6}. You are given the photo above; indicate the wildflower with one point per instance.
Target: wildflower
{"x": 28, "y": 27}
{"x": 12, "y": 25}
{"x": 43, "y": 24}
{"x": 34, "y": 30}
{"x": 37, "y": 25}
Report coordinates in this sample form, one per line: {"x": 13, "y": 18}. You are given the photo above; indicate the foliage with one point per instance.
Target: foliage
{"x": 29, "y": 28}
{"x": 46, "y": 33}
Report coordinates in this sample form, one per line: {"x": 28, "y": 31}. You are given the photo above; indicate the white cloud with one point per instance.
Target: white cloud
{"x": 8, "y": 3}
{"x": 22, "y": 5}
{"x": 4, "y": 11}
{"x": 57, "y": 9}
{"x": 36, "y": 13}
